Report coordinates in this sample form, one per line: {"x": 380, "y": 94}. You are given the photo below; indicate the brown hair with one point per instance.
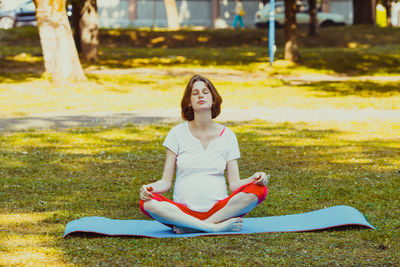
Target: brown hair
{"x": 187, "y": 109}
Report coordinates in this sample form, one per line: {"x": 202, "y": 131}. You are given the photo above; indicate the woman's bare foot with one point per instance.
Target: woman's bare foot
{"x": 230, "y": 225}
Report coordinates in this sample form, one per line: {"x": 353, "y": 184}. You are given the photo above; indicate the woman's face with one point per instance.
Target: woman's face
{"x": 201, "y": 97}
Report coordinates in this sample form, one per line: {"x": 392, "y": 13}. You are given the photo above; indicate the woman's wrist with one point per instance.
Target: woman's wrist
{"x": 158, "y": 187}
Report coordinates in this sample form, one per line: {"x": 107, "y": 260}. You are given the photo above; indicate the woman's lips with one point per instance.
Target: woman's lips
{"x": 201, "y": 102}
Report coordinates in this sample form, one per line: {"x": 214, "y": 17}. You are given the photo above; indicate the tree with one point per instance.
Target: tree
{"x": 86, "y": 30}
{"x": 291, "y": 47}
{"x": 76, "y": 18}
{"x": 61, "y": 59}
{"x": 313, "y": 17}
{"x": 364, "y": 11}
{"x": 172, "y": 14}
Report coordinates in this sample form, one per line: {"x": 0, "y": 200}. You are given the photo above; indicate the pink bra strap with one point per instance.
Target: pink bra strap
{"x": 223, "y": 130}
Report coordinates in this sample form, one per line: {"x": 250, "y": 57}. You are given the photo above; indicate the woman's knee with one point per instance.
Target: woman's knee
{"x": 151, "y": 205}
{"x": 157, "y": 207}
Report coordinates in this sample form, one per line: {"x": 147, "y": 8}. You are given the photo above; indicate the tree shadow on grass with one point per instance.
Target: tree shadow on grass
{"x": 21, "y": 64}
{"x": 354, "y": 88}
{"x": 353, "y": 62}
{"x": 98, "y": 172}
{"x": 7, "y": 77}
{"x": 145, "y": 57}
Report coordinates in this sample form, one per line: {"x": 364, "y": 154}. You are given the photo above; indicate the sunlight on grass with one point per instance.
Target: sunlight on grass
{"x": 24, "y": 57}
{"x": 23, "y": 218}
{"x": 136, "y": 92}
{"x": 28, "y": 249}
{"x": 37, "y": 256}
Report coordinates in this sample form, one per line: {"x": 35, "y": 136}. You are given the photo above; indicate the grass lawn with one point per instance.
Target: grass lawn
{"x": 50, "y": 177}
{"x": 132, "y": 76}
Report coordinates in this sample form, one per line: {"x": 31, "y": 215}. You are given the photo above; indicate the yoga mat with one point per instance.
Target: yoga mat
{"x": 310, "y": 221}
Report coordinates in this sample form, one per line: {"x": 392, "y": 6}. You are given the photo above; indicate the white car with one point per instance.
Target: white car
{"x": 324, "y": 19}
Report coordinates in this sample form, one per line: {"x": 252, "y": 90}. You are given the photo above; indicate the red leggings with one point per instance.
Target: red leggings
{"x": 259, "y": 190}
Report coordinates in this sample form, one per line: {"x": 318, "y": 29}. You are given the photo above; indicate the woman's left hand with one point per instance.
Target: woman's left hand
{"x": 260, "y": 178}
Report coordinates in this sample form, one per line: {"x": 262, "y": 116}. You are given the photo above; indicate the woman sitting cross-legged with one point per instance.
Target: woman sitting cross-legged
{"x": 201, "y": 150}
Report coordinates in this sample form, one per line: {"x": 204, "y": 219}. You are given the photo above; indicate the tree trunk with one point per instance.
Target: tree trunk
{"x": 172, "y": 14}
{"x": 76, "y": 18}
{"x": 291, "y": 47}
{"x": 364, "y": 11}
{"x": 313, "y": 17}
{"x": 61, "y": 59}
{"x": 89, "y": 30}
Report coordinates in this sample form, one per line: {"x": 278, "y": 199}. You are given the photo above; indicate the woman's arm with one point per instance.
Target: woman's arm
{"x": 232, "y": 171}
{"x": 165, "y": 183}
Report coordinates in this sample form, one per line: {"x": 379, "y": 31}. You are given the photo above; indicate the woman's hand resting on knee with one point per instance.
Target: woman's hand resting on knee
{"x": 145, "y": 192}
{"x": 260, "y": 178}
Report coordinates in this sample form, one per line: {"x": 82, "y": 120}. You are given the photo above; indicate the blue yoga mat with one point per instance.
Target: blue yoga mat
{"x": 310, "y": 221}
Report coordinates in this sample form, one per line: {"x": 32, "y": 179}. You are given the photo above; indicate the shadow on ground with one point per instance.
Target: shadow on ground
{"x": 354, "y": 88}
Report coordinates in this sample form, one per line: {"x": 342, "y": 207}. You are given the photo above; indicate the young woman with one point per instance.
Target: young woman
{"x": 201, "y": 150}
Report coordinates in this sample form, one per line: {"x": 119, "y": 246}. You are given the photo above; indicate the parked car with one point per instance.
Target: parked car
{"x": 324, "y": 19}
{"x": 22, "y": 15}
{"x": 26, "y": 14}
{"x": 7, "y": 19}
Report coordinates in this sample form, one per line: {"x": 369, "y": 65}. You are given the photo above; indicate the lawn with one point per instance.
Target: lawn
{"x": 133, "y": 77}
{"x": 49, "y": 177}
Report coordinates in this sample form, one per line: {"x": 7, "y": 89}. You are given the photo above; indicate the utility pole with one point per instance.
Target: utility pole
{"x": 271, "y": 37}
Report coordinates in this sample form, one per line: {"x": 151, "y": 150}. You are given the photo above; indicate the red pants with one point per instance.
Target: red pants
{"x": 259, "y": 190}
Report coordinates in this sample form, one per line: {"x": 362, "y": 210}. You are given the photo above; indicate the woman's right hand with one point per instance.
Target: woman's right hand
{"x": 145, "y": 192}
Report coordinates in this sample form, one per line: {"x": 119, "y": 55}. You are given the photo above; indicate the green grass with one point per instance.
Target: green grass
{"x": 50, "y": 177}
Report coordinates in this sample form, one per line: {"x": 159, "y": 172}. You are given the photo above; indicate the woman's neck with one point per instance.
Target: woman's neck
{"x": 202, "y": 120}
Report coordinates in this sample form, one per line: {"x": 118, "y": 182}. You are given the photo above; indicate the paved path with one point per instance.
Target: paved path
{"x": 173, "y": 115}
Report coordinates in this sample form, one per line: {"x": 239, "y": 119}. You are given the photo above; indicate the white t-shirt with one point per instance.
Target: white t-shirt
{"x": 200, "y": 181}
